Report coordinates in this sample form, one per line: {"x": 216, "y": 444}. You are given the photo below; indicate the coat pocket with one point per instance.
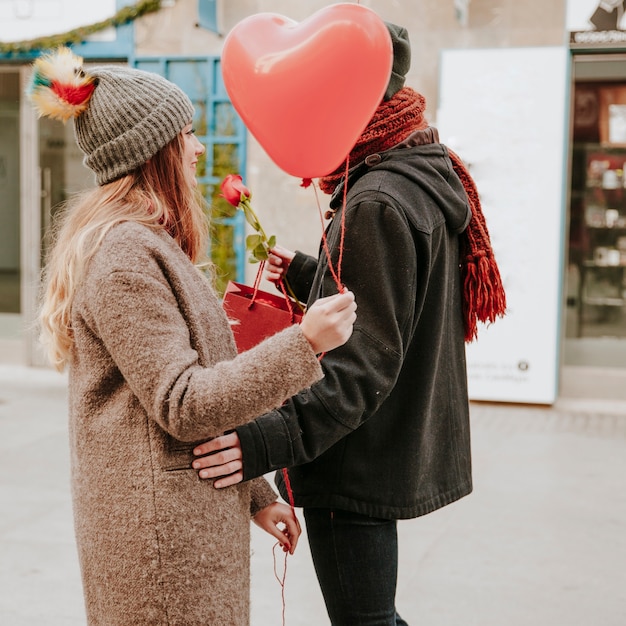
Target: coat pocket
{"x": 177, "y": 456}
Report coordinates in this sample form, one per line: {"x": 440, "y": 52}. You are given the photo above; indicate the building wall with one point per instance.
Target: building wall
{"x": 286, "y": 209}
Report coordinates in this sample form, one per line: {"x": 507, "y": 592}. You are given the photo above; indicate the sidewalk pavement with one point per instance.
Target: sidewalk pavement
{"x": 540, "y": 542}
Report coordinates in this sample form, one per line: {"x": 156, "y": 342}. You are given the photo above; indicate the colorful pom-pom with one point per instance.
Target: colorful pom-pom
{"x": 59, "y": 88}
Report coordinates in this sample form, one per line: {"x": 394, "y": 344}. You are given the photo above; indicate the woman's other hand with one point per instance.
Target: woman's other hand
{"x": 329, "y": 321}
{"x": 280, "y": 521}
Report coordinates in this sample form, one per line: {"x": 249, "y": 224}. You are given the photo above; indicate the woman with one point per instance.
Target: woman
{"x": 152, "y": 363}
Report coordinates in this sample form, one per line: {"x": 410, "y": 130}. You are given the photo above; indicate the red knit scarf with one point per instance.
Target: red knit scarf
{"x": 484, "y": 299}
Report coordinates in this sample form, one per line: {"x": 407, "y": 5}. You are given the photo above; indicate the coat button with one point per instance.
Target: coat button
{"x": 373, "y": 159}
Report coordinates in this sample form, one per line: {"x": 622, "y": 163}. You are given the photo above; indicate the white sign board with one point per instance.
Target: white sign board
{"x": 28, "y": 19}
{"x": 503, "y": 112}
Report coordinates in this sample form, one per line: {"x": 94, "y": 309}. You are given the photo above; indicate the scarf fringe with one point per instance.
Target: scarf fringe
{"x": 484, "y": 299}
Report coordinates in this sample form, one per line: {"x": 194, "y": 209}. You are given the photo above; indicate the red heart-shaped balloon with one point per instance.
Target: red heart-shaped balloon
{"x": 306, "y": 90}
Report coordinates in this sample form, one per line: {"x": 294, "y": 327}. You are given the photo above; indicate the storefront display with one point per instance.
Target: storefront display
{"x": 594, "y": 341}
{"x": 598, "y": 214}
{"x": 602, "y": 285}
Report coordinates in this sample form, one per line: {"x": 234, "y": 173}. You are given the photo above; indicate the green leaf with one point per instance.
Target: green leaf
{"x": 272, "y": 242}
{"x": 260, "y": 252}
{"x": 252, "y": 241}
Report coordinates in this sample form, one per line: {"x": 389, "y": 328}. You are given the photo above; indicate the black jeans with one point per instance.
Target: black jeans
{"x": 356, "y": 562}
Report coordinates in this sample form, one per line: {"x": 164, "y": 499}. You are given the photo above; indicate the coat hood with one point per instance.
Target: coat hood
{"x": 426, "y": 163}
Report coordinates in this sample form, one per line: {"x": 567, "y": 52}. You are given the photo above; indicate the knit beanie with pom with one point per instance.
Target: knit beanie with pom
{"x": 122, "y": 116}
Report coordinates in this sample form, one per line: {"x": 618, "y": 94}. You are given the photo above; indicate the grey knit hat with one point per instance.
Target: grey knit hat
{"x": 401, "y": 59}
{"x": 130, "y": 116}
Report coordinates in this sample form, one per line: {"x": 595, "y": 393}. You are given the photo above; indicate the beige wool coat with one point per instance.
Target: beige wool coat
{"x": 154, "y": 370}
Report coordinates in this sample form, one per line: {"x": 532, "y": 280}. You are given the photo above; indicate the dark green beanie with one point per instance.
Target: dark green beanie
{"x": 401, "y": 59}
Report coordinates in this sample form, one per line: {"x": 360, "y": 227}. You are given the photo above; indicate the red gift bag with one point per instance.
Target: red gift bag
{"x": 256, "y": 315}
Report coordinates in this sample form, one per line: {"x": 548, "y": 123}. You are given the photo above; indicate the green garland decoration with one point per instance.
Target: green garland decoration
{"x": 78, "y": 35}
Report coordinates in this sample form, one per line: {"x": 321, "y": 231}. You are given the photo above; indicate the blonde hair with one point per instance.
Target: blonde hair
{"x": 158, "y": 194}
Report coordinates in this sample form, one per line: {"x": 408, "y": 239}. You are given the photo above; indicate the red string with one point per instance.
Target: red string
{"x": 257, "y": 281}
{"x": 325, "y": 244}
{"x": 288, "y": 487}
{"x": 287, "y": 299}
{"x": 343, "y": 221}
{"x": 336, "y": 274}
{"x": 281, "y": 580}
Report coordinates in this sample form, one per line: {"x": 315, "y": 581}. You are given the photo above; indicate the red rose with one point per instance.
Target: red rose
{"x": 234, "y": 190}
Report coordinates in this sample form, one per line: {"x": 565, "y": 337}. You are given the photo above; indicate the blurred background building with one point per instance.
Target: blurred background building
{"x": 531, "y": 94}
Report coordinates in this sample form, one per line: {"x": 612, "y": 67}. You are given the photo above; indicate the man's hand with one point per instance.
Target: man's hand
{"x": 225, "y": 460}
{"x": 278, "y": 263}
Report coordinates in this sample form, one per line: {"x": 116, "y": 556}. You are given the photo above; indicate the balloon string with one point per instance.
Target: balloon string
{"x": 343, "y": 218}
{"x": 281, "y": 579}
{"x": 336, "y": 274}
{"x": 325, "y": 245}
{"x": 292, "y": 503}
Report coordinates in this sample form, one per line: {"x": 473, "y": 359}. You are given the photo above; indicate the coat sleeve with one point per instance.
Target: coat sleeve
{"x": 379, "y": 266}
{"x": 300, "y": 275}
{"x": 139, "y": 323}
{"x": 262, "y": 495}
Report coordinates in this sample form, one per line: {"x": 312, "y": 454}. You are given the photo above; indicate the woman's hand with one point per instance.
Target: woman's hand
{"x": 271, "y": 517}
{"x": 278, "y": 263}
{"x": 328, "y": 322}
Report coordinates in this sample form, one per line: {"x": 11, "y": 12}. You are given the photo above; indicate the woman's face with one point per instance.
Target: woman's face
{"x": 192, "y": 149}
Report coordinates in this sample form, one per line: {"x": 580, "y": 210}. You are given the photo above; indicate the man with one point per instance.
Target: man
{"x": 385, "y": 434}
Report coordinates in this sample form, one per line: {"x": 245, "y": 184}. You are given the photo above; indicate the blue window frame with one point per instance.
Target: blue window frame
{"x": 207, "y": 15}
{"x": 223, "y": 134}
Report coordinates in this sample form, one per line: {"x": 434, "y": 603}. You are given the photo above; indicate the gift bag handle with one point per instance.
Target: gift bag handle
{"x": 281, "y": 285}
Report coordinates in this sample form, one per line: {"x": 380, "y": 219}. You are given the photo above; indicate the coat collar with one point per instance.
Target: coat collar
{"x": 418, "y": 138}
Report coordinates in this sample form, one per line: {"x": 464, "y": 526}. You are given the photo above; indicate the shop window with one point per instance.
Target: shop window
{"x": 597, "y": 251}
